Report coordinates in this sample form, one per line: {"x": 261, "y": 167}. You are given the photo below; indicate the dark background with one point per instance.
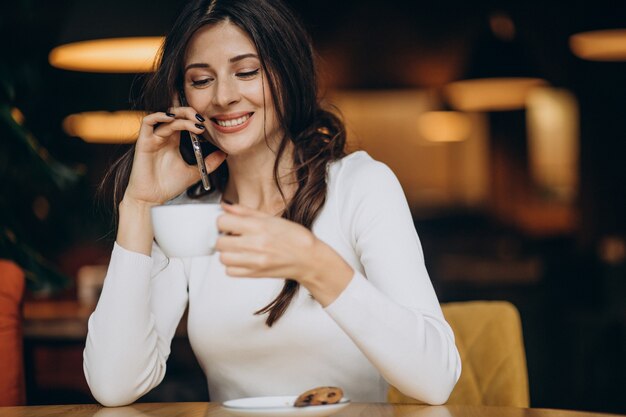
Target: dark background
{"x": 574, "y": 315}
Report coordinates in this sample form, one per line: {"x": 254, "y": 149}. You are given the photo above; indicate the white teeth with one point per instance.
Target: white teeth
{"x": 233, "y": 122}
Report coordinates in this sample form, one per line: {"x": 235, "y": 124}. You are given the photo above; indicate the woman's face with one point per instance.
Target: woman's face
{"x": 224, "y": 82}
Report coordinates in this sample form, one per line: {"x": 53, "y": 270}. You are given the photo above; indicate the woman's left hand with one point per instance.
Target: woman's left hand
{"x": 256, "y": 244}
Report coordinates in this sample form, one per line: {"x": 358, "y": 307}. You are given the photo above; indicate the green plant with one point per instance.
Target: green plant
{"x": 27, "y": 171}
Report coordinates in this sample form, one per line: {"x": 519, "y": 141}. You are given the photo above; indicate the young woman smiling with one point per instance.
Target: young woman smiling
{"x": 319, "y": 277}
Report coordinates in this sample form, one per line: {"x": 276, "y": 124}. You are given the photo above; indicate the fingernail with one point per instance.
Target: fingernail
{"x": 230, "y": 203}
{"x": 170, "y": 114}
{"x": 199, "y": 126}
{"x": 200, "y": 118}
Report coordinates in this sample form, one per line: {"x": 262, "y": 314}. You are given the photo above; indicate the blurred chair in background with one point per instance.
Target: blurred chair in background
{"x": 489, "y": 339}
{"x": 12, "y": 384}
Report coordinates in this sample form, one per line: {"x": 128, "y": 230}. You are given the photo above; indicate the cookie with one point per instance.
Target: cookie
{"x": 319, "y": 396}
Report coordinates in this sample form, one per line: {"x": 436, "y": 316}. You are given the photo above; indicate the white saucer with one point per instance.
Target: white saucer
{"x": 279, "y": 407}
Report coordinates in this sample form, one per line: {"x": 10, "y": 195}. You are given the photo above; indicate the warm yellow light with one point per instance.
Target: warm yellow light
{"x": 118, "y": 55}
{"x": 17, "y": 115}
{"x": 104, "y": 127}
{"x": 552, "y": 118}
{"x": 600, "y": 45}
{"x": 444, "y": 126}
{"x": 491, "y": 94}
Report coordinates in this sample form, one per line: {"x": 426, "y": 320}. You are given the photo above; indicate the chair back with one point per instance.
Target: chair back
{"x": 489, "y": 339}
{"x": 12, "y": 385}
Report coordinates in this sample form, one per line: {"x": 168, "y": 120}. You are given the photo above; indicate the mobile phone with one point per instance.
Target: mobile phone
{"x": 186, "y": 145}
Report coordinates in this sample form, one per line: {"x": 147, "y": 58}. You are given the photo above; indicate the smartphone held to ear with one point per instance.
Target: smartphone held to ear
{"x": 186, "y": 145}
{"x": 192, "y": 149}
{"x": 186, "y": 148}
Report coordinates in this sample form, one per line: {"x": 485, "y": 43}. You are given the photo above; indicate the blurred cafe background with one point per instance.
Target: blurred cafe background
{"x": 505, "y": 122}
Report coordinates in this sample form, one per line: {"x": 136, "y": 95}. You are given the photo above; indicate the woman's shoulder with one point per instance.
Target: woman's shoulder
{"x": 355, "y": 157}
{"x": 360, "y": 187}
{"x": 359, "y": 168}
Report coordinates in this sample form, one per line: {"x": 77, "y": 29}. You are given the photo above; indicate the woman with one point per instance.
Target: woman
{"x": 318, "y": 278}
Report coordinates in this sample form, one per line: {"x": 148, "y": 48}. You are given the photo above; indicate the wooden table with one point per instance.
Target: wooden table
{"x": 214, "y": 410}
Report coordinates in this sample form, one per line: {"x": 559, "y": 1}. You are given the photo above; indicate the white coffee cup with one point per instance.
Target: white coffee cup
{"x": 186, "y": 230}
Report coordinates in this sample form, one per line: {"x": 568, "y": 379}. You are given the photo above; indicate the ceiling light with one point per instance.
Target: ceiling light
{"x": 104, "y": 127}
{"x": 600, "y": 45}
{"x": 116, "y": 55}
{"x": 444, "y": 126}
{"x": 491, "y": 94}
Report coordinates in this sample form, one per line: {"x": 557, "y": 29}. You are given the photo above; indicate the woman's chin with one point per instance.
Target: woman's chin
{"x": 231, "y": 147}
{"x": 232, "y": 151}
{"x": 243, "y": 151}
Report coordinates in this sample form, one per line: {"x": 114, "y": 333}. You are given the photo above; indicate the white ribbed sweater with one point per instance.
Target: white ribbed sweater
{"x": 385, "y": 328}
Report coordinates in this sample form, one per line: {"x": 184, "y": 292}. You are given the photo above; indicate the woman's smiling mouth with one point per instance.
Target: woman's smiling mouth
{"x": 231, "y": 123}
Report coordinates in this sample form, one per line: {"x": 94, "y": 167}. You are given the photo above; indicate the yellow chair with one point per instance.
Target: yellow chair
{"x": 489, "y": 339}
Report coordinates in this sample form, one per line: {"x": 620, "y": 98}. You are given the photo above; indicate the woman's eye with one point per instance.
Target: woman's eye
{"x": 248, "y": 74}
{"x": 198, "y": 83}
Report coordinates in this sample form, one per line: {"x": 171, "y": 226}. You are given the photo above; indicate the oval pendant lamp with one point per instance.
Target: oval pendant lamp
{"x": 116, "y": 55}
{"x": 442, "y": 124}
{"x": 500, "y": 75}
{"x": 599, "y": 45}
{"x": 104, "y": 127}
{"x": 113, "y": 36}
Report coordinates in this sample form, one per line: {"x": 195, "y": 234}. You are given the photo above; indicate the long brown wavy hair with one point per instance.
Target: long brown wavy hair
{"x": 286, "y": 54}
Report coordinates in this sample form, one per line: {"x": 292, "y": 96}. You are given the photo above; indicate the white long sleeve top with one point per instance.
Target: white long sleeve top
{"x": 386, "y": 327}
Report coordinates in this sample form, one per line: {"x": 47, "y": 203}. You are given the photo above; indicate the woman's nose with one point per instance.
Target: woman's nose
{"x": 226, "y": 92}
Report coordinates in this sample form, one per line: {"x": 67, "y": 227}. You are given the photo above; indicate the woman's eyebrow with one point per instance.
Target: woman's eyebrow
{"x": 242, "y": 56}
{"x": 231, "y": 60}
{"x": 196, "y": 65}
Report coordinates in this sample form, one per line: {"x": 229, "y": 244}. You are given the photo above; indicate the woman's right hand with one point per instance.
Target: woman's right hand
{"x": 159, "y": 172}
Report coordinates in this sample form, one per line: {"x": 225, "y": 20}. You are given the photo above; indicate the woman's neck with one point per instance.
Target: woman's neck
{"x": 251, "y": 180}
